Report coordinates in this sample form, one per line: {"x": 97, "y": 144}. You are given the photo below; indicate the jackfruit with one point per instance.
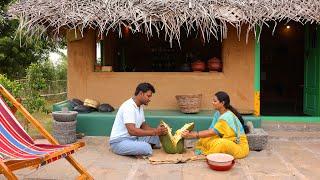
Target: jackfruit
{"x": 173, "y": 144}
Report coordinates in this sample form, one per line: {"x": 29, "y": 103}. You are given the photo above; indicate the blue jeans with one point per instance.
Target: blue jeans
{"x": 134, "y": 145}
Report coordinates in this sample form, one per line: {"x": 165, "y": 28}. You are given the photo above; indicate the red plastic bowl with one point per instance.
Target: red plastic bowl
{"x": 221, "y": 168}
{"x": 220, "y": 161}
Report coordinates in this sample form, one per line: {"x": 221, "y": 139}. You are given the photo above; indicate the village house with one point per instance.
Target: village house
{"x": 264, "y": 53}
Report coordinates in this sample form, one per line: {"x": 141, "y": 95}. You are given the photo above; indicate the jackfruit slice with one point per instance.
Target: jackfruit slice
{"x": 174, "y": 143}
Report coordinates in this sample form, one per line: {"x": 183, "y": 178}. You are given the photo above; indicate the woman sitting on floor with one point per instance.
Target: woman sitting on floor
{"x": 226, "y": 133}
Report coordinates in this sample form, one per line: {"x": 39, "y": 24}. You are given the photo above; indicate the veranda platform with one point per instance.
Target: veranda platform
{"x": 100, "y": 124}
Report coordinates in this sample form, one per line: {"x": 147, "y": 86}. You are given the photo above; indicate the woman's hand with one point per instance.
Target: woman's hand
{"x": 188, "y": 135}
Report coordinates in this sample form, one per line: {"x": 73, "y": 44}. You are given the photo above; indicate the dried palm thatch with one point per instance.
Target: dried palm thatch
{"x": 209, "y": 17}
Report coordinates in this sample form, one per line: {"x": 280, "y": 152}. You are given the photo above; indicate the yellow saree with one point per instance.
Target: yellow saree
{"x": 230, "y": 138}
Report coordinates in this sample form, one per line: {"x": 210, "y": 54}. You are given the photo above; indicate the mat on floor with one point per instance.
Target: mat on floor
{"x": 161, "y": 157}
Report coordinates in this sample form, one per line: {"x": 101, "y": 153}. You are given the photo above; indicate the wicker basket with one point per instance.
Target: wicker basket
{"x": 189, "y": 103}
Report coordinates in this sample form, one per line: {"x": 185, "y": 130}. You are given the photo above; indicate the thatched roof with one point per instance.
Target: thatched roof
{"x": 150, "y": 16}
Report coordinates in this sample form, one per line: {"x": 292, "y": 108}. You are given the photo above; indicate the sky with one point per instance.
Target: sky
{"x": 54, "y": 57}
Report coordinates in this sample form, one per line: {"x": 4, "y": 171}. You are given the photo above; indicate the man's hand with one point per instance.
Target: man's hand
{"x": 188, "y": 135}
{"x": 161, "y": 130}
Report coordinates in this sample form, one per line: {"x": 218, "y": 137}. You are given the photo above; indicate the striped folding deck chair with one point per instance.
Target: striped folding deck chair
{"x": 18, "y": 150}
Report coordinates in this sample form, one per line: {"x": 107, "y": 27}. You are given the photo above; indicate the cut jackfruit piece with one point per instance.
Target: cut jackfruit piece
{"x": 174, "y": 144}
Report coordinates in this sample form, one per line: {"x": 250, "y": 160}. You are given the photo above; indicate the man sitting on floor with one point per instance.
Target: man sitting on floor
{"x": 130, "y": 135}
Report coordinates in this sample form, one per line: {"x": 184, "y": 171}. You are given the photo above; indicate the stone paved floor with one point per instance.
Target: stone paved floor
{"x": 282, "y": 159}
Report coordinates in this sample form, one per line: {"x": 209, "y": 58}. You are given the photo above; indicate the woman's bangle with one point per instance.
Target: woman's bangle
{"x": 197, "y": 135}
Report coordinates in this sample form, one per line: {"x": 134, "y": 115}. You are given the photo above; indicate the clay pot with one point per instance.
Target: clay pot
{"x": 214, "y": 64}
{"x": 198, "y": 65}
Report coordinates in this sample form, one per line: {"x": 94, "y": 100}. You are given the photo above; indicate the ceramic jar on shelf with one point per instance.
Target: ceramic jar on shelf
{"x": 215, "y": 64}
{"x": 198, "y": 66}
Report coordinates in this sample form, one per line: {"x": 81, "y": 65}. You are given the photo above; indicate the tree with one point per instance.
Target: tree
{"x": 36, "y": 82}
{"x": 12, "y": 86}
{"x": 17, "y": 53}
{"x": 61, "y": 68}
{"x": 2, "y": 14}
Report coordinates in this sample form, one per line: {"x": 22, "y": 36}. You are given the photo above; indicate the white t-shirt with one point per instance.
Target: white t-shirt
{"x": 128, "y": 112}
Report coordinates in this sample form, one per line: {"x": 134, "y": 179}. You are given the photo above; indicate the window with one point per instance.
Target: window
{"x": 138, "y": 53}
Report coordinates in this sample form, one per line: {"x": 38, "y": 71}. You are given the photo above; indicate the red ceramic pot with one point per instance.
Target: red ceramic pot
{"x": 198, "y": 65}
{"x": 214, "y": 64}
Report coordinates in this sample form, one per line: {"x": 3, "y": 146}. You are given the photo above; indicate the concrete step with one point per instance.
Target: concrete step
{"x": 294, "y": 135}
{"x": 288, "y": 126}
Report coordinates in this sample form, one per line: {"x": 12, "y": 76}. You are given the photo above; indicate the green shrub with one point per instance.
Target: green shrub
{"x": 14, "y": 87}
{"x": 35, "y": 83}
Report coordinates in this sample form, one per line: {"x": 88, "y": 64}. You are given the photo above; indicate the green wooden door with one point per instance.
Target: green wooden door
{"x": 311, "y": 105}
